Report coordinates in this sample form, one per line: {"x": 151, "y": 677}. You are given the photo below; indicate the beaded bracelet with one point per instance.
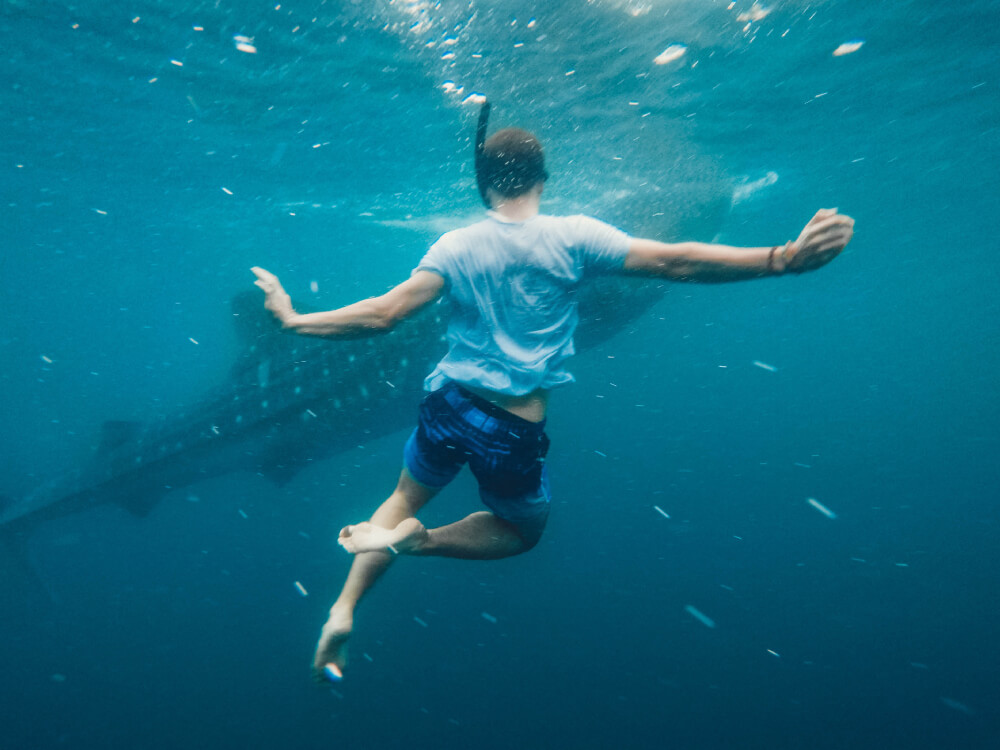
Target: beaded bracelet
{"x": 770, "y": 259}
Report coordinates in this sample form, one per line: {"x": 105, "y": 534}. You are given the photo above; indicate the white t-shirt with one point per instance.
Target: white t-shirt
{"x": 511, "y": 285}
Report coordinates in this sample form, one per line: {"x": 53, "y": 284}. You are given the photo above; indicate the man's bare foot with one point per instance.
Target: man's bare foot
{"x": 332, "y": 646}
{"x": 408, "y": 536}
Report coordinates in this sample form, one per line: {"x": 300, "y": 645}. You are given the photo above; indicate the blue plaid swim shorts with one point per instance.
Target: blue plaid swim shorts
{"x": 505, "y": 453}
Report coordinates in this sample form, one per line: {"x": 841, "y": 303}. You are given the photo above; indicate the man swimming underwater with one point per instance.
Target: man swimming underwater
{"x": 510, "y": 279}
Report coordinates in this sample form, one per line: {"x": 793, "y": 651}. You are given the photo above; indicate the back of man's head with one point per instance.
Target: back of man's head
{"x": 513, "y": 162}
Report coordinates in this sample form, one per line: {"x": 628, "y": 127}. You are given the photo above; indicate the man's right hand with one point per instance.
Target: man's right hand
{"x": 822, "y": 240}
{"x": 276, "y": 299}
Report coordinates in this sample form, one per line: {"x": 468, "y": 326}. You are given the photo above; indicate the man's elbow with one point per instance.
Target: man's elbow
{"x": 382, "y": 324}
{"x": 385, "y": 317}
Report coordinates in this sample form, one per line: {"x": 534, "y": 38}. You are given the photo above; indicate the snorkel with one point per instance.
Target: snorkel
{"x": 482, "y": 180}
{"x": 510, "y": 161}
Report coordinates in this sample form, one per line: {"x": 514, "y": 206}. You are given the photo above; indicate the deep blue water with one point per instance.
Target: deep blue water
{"x": 138, "y": 192}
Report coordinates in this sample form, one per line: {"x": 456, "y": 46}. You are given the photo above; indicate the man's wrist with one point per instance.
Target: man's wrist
{"x": 778, "y": 260}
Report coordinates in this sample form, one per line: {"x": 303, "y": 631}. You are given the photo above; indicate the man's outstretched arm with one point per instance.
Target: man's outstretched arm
{"x": 365, "y": 318}
{"x": 822, "y": 240}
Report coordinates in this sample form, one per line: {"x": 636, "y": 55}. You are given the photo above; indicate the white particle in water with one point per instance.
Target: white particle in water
{"x": 671, "y": 53}
{"x": 697, "y": 614}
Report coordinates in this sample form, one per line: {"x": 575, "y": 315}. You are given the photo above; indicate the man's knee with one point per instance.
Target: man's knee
{"x": 530, "y": 541}
{"x": 530, "y": 531}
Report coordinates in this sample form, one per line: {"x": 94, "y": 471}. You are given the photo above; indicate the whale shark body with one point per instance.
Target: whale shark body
{"x": 291, "y": 400}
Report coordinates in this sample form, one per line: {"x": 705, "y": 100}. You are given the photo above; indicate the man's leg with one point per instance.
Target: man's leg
{"x": 480, "y": 536}
{"x": 403, "y": 503}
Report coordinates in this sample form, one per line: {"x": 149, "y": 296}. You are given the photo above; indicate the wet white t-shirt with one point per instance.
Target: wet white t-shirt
{"x": 512, "y": 288}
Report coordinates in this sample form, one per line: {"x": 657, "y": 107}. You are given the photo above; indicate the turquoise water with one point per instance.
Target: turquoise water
{"x": 148, "y": 162}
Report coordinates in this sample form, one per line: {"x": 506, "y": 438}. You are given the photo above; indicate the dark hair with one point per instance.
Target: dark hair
{"x": 512, "y": 162}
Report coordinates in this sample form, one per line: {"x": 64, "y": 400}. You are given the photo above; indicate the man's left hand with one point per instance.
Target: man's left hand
{"x": 822, "y": 240}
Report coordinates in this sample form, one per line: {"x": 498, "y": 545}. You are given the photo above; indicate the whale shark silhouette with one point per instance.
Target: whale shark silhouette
{"x": 292, "y": 400}
{"x": 289, "y": 400}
